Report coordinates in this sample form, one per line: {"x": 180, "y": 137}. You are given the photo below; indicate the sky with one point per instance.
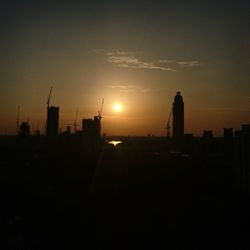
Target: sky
{"x": 136, "y": 53}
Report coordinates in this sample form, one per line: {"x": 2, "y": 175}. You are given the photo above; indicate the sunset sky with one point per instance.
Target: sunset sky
{"x": 135, "y": 53}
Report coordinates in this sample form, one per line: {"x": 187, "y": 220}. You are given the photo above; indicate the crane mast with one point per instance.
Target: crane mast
{"x": 49, "y": 97}
{"x": 100, "y": 111}
{"x": 48, "y": 101}
{"x": 75, "y": 122}
{"x": 168, "y": 123}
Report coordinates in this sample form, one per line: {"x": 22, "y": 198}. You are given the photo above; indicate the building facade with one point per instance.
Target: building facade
{"x": 52, "y": 121}
{"x": 92, "y": 127}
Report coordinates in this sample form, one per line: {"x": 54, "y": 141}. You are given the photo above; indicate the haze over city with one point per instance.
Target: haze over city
{"x": 135, "y": 54}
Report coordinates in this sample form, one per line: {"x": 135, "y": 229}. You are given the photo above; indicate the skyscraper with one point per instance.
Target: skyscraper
{"x": 52, "y": 121}
{"x": 92, "y": 127}
{"x": 178, "y": 117}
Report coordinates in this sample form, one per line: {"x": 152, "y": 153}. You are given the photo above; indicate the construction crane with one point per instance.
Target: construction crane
{"x": 48, "y": 100}
{"x": 36, "y": 130}
{"x": 17, "y": 121}
{"x": 168, "y": 123}
{"x": 75, "y": 124}
{"x": 100, "y": 111}
{"x": 33, "y": 128}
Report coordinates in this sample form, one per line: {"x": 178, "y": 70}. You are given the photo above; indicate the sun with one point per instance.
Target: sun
{"x": 117, "y": 107}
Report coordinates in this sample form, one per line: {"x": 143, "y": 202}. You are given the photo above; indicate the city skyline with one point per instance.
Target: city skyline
{"x": 134, "y": 53}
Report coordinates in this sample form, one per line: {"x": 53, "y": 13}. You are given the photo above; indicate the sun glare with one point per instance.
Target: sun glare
{"x": 117, "y": 107}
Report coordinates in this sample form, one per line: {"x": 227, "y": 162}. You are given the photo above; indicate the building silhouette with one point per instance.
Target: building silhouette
{"x": 178, "y": 117}
{"x": 228, "y": 142}
{"x": 52, "y": 121}
{"x": 24, "y": 129}
{"x": 242, "y": 155}
{"x": 228, "y": 133}
{"x": 68, "y": 131}
{"x": 207, "y": 134}
{"x": 92, "y": 127}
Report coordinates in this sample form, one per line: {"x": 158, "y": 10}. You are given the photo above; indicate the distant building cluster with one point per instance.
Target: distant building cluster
{"x": 91, "y": 128}
{"x": 234, "y": 144}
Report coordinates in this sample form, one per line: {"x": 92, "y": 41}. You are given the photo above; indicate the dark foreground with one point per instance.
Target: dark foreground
{"x": 134, "y": 195}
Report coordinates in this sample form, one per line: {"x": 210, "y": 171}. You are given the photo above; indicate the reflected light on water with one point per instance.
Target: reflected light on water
{"x": 114, "y": 142}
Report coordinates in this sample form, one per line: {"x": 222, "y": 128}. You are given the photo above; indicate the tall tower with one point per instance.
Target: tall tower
{"x": 178, "y": 117}
{"x": 52, "y": 121}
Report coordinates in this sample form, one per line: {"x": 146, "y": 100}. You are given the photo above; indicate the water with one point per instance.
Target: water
{"x": 114, "y": 142}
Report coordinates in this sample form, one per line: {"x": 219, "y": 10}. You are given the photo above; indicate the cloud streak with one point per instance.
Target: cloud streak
{"x": 189, "y": 63}
{"x": 180, "y": 63}
{"x": 128, "y": 60}
{"x": 135, "y": 89}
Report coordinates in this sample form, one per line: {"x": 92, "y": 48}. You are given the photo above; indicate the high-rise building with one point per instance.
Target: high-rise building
{"x": 52, "y": 121}
{"x": 92, "y": 127}
{"x": 178, "y": 117}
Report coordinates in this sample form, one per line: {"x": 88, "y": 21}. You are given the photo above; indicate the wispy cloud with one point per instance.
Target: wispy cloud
{"x": 119, "y": 53}
{"x": 177, "y": 63}
{"x": 165, "y": 61}
{"x": 135, "y": 89}
{"x": 127, "y": 59}
{"x": 189, "y": 63}
{"x": 130, "y": 88}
